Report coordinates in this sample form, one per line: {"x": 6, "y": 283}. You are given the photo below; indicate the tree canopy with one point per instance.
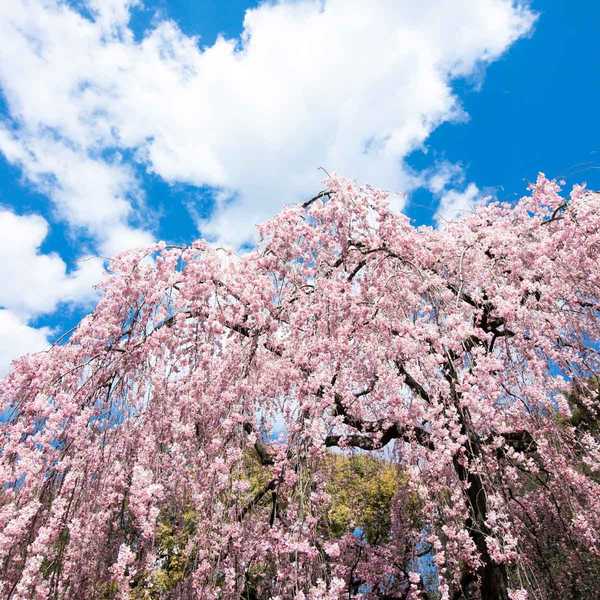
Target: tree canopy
{"x": 145, "y": 439}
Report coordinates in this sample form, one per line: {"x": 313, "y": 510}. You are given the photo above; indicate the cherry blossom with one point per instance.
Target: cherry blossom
{"x": 451, "y": 348}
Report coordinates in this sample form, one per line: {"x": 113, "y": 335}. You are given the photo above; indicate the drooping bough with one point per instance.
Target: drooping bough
{"x": 348, "y": 328}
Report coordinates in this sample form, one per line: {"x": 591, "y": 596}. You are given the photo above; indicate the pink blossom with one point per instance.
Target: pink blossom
{"x": 346, "y": 328}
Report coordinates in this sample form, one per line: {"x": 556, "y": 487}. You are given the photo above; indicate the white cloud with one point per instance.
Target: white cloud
{"x": 91, "y": 194}
{"x": 454, "y": 204}
{"x": 443, "y": 175}
{"x": 112, "y": 15}
{"x": 121, "y": 237}
{"x": 34, "y": 283}
{"x": 350, "y": 85}
{"x": 17, "y": 338}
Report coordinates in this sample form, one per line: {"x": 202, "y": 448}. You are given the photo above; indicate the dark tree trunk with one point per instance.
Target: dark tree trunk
{"x": 494, "y": 582}
{"x": 491, "y": 578}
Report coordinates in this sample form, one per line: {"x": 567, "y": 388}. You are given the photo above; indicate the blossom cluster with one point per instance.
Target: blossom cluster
{"x": 351, "y": 328}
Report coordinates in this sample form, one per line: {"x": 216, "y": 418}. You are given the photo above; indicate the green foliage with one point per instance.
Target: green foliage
{"x": 361, "y": 489}
{"x": 51, "y": 567}
{"x": 107, "y": 591}
{"x": 584, "y": 401}
{"x": 174, "y": 531}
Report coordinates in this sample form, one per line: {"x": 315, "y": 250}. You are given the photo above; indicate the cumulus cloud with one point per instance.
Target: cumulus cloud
{"x": 17, "y": 338}
{"x": 91, "y": 194}
{"x": 350, "y": 85}
{"x": 34, "y": 283}
{"x": 443, "y": 175}
{"x": 455, "y": 204}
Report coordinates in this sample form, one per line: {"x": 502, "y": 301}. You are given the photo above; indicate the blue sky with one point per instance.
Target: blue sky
{"x": 124, "y": 122}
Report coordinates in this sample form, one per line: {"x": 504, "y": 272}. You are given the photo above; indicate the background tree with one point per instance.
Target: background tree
{"x": 449, "y": 347}
{"x": 560, "y": 560}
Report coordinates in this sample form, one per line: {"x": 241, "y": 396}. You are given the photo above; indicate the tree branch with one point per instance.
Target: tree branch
{"x": 320, "y": 195}
{"x": 410, "y": 381}
{"x": 264, "y": 455}
{"x": 257, "y": 498}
